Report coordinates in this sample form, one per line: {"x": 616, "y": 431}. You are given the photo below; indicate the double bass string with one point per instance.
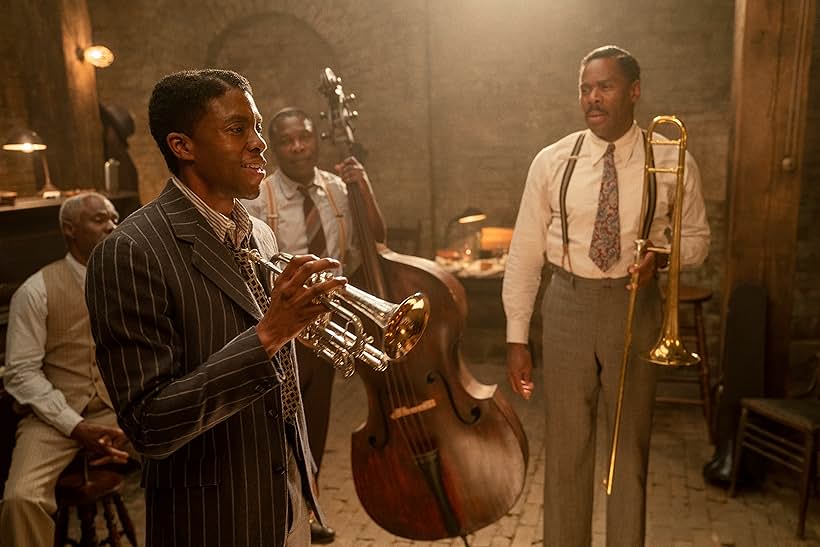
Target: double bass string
{"x": 399, "y": 388}
{"x": 412, "y": 427}
{"x": 395, "y": 401}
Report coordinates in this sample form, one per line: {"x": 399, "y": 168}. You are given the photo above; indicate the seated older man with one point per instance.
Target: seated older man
{"x": 51, "y": 370}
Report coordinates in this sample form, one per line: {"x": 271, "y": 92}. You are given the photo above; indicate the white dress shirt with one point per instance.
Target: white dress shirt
{"x": 26, "y": 347}
{"x": 285, "y": 215}
{"x": 538, "y": 228}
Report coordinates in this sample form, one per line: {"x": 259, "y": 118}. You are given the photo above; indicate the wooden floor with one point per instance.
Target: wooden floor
{"x": 682, "y": 510}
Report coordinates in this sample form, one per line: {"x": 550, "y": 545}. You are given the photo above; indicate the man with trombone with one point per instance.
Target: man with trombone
{"x": 584, "y": 206}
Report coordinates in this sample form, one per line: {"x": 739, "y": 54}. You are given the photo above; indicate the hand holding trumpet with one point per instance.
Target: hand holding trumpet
{"x": 294, "y": 302}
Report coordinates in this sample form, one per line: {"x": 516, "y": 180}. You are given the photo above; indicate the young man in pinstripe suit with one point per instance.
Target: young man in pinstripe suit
{"x": 198, "y": 360}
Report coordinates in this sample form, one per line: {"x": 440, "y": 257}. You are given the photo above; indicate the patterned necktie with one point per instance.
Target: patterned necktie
{"x": 290, "y": 390}
{"x": 605, "y": 248}
{"x": 313, "y": 225}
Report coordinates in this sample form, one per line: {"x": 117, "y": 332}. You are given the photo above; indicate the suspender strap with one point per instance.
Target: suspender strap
{"x": 648, "y": 214}
{"x": 571, "y": 161}
{"x": 273, "y": 214}
{"x": 340, "y": 222}
{"x": 651, "y": 195}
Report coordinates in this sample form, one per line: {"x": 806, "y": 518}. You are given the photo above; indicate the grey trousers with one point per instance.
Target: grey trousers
{"x": 584, "y": 323}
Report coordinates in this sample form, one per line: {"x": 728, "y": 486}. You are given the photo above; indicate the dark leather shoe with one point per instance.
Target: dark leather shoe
{"x": 321, "y": 534}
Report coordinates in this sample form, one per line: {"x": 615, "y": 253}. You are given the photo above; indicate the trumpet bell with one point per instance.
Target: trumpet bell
{"x": 670, "y": 352}
{"x": 406, "y": 325}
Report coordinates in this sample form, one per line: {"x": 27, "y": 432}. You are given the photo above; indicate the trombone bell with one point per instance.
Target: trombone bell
{"x": 670, "y": 352}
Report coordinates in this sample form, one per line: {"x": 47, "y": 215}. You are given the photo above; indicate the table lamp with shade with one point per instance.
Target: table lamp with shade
{"x": 470, "y": 215}
{"x": 27, "y": 141}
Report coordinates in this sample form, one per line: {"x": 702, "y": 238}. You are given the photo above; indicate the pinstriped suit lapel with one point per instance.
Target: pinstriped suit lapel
{"x": 210, "y": 256}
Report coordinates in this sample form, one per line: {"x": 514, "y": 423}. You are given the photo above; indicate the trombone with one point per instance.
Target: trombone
{"x": 343, "y": 341}
{"x": 669, "y": 350}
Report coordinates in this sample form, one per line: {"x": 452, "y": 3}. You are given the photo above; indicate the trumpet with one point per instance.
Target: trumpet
{"x": 669, "y": 350}
{"x": 344, "y": 340}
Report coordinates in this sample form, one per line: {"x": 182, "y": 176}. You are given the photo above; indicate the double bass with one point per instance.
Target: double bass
{"x": 440, "y": 454}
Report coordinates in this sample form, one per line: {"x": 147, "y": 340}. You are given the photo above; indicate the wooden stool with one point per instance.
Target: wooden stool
{"x": 695, "y": 333}
{"x": 82, "y": 486}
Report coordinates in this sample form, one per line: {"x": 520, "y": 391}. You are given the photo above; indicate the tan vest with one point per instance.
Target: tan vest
{"x": 69, "y": 362}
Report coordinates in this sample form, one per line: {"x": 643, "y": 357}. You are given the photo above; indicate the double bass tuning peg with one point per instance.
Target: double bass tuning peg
{"x": 323, "y": 115}
{"x": 324, "y": 135}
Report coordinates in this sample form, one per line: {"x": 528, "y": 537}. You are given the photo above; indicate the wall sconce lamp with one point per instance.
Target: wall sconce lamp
{"x": 468, "y": 216}
{"x": 27, "y": 141}
{"x": 99, "y": 56}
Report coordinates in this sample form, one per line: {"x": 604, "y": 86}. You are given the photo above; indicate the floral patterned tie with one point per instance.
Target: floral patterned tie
{"x": 605, "y": 248}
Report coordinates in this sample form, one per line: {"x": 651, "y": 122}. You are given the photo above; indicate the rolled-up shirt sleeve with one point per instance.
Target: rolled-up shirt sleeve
{"x": 695, "y": 233}
{"x": 24, "y": 378}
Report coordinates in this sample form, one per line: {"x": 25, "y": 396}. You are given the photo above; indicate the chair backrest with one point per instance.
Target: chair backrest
{"x": 804, "y": 376}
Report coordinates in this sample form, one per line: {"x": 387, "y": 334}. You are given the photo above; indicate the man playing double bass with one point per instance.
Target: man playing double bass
{"x": 581, "y": 209}
{"x": 309, "y": 212}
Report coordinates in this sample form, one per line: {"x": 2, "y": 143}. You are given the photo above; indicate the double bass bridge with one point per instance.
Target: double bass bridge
{"x": 404, "y": 411}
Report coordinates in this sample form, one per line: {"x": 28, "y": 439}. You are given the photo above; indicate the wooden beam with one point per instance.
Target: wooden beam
{"x": 772, "y": 58}
{"x": 61, "y": 89}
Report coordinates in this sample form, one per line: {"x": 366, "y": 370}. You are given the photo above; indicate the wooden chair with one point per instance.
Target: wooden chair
{"x": 84, "y": 487}
{"x": 784, "y": 431}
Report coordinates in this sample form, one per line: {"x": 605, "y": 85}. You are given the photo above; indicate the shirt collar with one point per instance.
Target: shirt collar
{"x": 237, "y": 227}
{"x": 624, "y": 147}
{"x": 75, "y": 265}
{"x": 290, "y": 187}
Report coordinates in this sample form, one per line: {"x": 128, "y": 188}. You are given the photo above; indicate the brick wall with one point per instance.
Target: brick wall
{"x": 455, "y": 97}
{"x": 16, "y": 169}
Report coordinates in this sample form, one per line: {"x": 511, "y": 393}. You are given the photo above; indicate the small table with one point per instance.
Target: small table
{"x": 485, "y": 337}
{"x": 485, "y": 333}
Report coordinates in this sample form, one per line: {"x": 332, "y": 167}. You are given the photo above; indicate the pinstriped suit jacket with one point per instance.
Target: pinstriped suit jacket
{"x": 174, "y": 324}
